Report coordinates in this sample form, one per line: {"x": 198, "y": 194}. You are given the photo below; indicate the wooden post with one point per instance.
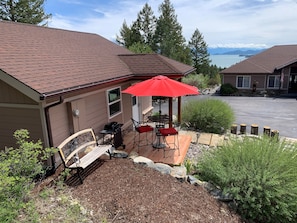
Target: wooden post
{"x": 254, "y": 129}
{"x": 179, "y": 109}
{"x": 234, "y": 129}
{"x": 242, "y": 128}
{"x": 274, "y": 133}
{"x": 266, "y": 130}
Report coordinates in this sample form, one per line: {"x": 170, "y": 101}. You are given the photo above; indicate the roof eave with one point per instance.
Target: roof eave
{"x": 286, "y": 64}
{"x": 85, "y": 88}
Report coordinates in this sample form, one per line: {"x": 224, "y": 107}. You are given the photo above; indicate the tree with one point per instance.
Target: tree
{"x": 140, "y": 48}
{"x": 129, "y": 35}
{"x": 146, "y": 24}
{"x": 168, "y": 37}
{"x": 199, "y": 53}
{"x": 24, "y": 11}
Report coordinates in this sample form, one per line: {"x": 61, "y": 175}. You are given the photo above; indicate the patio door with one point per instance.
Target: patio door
{"x": 135, "y": 109}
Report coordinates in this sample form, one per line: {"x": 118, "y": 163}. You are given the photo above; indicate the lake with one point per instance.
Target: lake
{"x": 225, "y": 61}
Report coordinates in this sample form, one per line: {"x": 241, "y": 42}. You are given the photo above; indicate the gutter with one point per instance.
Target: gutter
{"x": 49, "y": 132}
{"x": 80, "y": 87}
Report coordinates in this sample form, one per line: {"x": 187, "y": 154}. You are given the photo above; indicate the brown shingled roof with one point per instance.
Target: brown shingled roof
{"x": 48, "y": 60}
{"x": 154, "y": 64}
{"x": 267, "y": 61}
{"x": 51, "y": 60}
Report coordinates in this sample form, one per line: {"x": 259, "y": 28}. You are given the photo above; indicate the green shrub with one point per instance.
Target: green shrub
{"x": 260, "y": 174}
{"x": 216, "y": 80}
{"x": 208, "y": 115}
{"x": 228, "y": 89}
{"x": 19, "y": 167}
{"x": 198, "y": 80}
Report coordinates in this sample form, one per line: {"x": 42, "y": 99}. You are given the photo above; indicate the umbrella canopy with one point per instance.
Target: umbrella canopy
{"x": 161, "y": 86}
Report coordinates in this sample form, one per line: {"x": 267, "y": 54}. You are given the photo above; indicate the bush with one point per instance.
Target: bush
{"x": 19, "y": 167}
{"x": 208, "y": 115}
{"x": 198, "y": 80}
{"x": 228, "y": 89}
{"x": 260, "y": 174}
{"x": 216, "y": 80}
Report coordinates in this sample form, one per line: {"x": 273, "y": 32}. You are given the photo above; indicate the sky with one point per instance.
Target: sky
{"x": 223, "y": 23}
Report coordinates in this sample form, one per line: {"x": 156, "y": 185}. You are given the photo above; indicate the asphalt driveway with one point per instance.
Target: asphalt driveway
{"x": 278, "y": 113}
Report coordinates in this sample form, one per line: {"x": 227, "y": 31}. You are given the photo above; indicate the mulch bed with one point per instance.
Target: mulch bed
{"x": 120, "y": 191}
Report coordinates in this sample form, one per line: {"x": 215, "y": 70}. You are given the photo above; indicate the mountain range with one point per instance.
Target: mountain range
{"x": 234, "y": 51}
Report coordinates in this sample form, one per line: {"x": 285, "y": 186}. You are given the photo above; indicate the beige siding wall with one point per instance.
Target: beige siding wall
{"x": 59, "y": 123}
{"x": 17, "y": 111}
{"x": 231, "y": 79}
{"x": 96, "y": 111}
{"x": 261, "y": 81}
{"x": 12, "y": 119}
{"x": 12, "y": 96}
{"x": 93, "y": 113}
{"x": 127, "y": 109}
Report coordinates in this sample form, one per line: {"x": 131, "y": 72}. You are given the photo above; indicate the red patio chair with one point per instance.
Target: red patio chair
{"x": 140, "y": 128}
{"x": 170, "y": 132}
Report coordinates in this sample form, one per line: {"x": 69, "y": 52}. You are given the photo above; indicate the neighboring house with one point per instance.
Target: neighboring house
{"x": 55, "y": 82}
{"x": 273, "y": 71}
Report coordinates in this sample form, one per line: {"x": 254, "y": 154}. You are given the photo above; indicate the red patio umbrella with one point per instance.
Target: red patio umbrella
{"x": 162, "y": 86}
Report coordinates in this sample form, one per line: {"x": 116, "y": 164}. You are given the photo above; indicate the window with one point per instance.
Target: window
{"x": 243, "y": 81}
{"x": 273, "y": 81}
{"x": 114, "y": 101}
{"x": 134, "y": 101}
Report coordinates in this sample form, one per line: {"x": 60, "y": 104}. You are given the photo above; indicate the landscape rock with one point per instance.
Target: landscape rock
{"x": 120, "y": 154}
{"x": 194, "y": 181}
{"x": 179, "y": 172}
{"x": 163, "y": 168}
{"x": 143, "y": 160}
{"x": 133, "y": 155}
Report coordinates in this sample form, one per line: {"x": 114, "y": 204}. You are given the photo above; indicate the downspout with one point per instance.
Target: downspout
{"x": 49, "y": 131}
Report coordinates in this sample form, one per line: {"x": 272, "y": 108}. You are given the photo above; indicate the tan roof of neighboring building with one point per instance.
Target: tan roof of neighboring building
{"x": 267, "y": 61}
{"x": 51, "y": 60}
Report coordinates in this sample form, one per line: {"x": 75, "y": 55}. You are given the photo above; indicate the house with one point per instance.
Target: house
{"x": 55, "y": 82}
{"x": 273, "y": 71}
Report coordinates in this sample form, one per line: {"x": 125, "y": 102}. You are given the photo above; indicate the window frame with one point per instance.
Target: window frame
{"x": 243, "y": 77}
{"x": 116, "y": 101}
{"x": 276, "y": 79}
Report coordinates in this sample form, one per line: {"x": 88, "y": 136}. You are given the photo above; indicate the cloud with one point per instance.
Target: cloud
{"x": 223, "y": 22}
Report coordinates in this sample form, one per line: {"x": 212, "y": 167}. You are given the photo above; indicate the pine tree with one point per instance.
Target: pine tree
{"x": 199, "y": 53}
{"x": 129, "y": 35}
{"x": 168, "y": 38}
{"x": 24, "y": 11}
{"x": 146, "y": 24}
{"x": 140, "y": 48}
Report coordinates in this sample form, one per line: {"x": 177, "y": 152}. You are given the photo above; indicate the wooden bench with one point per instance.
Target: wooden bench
{"x": 80, "y": 150}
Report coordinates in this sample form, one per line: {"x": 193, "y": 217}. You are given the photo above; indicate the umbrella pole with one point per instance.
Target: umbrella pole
{"x": 170, "y": 112}
{"x": 160, "y": 111}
